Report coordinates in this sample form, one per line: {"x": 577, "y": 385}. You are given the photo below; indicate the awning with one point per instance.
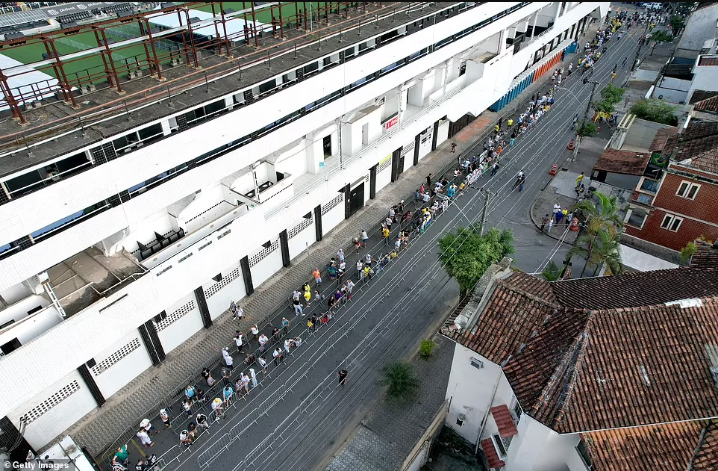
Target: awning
{"x": 504, "y": 421}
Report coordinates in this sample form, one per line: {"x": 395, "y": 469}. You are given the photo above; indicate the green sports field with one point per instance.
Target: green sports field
{"x": 265, "y": 15}
{"x": 91, "y": 64}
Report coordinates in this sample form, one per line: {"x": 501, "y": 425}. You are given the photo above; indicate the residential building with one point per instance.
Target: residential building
{"x": 608, "y": 373}
{"x": 135, "y": 208}
{"x": 677, "y": 206}
{"x": 700, "y": 30}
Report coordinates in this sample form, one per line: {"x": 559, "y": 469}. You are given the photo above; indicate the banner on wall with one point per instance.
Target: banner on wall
{"x": 391, "y": 122}
{"x": 407, "y": 148}
{"x": 385, "y": 159}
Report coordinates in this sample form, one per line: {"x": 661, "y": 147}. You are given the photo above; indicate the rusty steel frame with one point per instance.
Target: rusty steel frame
{"x": 152, "y": 58}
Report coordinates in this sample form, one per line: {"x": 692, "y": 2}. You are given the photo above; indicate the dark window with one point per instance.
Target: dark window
{"x": 72, "y": 163}
{"x": 214, "y": 107}
{"x": 150, "y": 132}
{"x": 309, "y": 68}
{"x": 267, "y": 86}
{"x": 11, "y": 346}
{"x": 24, "y": 184}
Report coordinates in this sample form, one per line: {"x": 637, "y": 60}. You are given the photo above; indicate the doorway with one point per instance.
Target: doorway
{"x": 327, "y": 146}
{"x": 365, "y": 134}
{"x": 356, "y": 199}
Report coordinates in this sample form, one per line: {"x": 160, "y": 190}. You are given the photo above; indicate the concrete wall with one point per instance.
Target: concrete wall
{"x": 700, "y": 27}
{"x": 627, "y": 182}
{"x": 121, "y": 363}
{"x": 641, "y": 134}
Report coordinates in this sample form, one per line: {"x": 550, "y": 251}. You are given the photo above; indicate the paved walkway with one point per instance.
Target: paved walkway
{"x": 157, "y": 384}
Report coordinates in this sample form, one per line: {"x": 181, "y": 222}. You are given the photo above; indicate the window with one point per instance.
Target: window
{"x": 476, "y": 363}
{"x": 688, "y": 190}
{"x": 502, "y": 444}
{"x": 649, "y": 185}
{"x": 637, "y": 217}
{"x": 672, "y": 223}
{"x": 517, "y": 411}
{"x": 583, "y": 453}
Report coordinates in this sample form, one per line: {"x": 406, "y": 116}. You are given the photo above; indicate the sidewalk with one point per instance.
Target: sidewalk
{"x": 102, "y": 427}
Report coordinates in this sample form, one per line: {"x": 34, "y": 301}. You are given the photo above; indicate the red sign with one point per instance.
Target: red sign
{"x": 391, "y": 122}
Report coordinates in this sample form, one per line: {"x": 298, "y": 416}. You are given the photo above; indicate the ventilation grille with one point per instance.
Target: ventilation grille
{"x": 214, "y": 289}
{"x": 384, "y": 165}
{"x": 51, "y": 402}
{"x": 264, "y": 253}
{"x": 105, "y": 364}
{"x": 299, "y": 227}
{"x": 332, "y": 204}
{"x": 175, "y": 316}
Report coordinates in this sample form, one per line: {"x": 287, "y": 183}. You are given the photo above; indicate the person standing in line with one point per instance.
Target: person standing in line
{"x": 342, "y": 377}
{"x": 239, "y": 341}
{"x": 307, "y": 298}
{"x": 165, "y": 418}
{"x": 385, "y": 234}
{"x": 360, "y": 269}
{"x": 202, "y": 421}
{"x": 263, "y": 363}
{"x": 544, "y": 221}
{"x": 428, "y": 181}
{"x": 365, "y": 237}
{"x": 278, "y": 357}
{"x": 297, "y": 303}
{"x": 287, "y": 344}
{"x": 145, "y": 439}
{"x": 285, "y": 325}
{"x": 254, "y": 330}
{"x": 225, "y": 377}
{"x": 350, "y": 287}
{"x": 340, "y": 255}
{"x": 253, "y": 377}
{"x": 228, "y": 361}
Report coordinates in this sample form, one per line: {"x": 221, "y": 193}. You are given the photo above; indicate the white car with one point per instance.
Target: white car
{"x": 653, "y": 6}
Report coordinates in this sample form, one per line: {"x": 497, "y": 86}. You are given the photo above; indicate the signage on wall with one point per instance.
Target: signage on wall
{"x": 385, "y": 159}
{"x": 391, "y": 122}
{"x": 321, "y": 164}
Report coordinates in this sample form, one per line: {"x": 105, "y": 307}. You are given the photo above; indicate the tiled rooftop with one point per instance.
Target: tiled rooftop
{"x": 708, "y": 61}
{"x": 504, "y": 421}
{"x": 665, "y": 446}
{"x": 709, "y": 104}
{"x": 706, "y": 255}
{"x": 700, "y": 95}
{"x": 699, "y": 143}
{"x": 601, "y": 353}
{"x": 622, "y": 161}
{"x": 662, "y": 135}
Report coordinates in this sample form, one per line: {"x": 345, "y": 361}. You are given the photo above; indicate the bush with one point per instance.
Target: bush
{"x": 552, "y": 272}
{"x": 612, "y": 94}
{"x": 401, "y": 380}
{"x": 655, "y": 110}
{"x": 426, "y": 349}
{"x": 587, "y": 130}
{"x": 688, "y": 251}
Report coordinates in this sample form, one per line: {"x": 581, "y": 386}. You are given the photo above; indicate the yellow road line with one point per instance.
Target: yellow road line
{"x": 139, "y": 448}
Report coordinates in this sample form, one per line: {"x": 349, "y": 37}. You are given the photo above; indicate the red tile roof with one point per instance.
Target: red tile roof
{"x": 706, "y": 255}
{"x": 661, "y": 138}
{"x": 699, "y": 143}
{"x": 654, "y": 447}
{"x": 700, "y": 95}
{"x": 504, "y": 421}
{"x": 708, "y": 61}
{"x": 622, "y": 161}
{"x": 603, "y": 353}
{"x": 492, "y": 456}
{"x": 709, "y": 104}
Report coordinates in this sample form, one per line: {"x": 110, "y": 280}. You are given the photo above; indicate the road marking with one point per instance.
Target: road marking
{"x": 139, "y": 448}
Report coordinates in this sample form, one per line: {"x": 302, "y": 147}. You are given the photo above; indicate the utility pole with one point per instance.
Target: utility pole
{"x": 585, "y": 116}
{"x": 311, "y": 26}
{"x": 487, "y": 195}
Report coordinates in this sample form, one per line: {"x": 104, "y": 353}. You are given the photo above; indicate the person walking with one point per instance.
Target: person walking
{"x": 317, "y": 276}
{"x": 254, "y": 330}
{"x": 342, "y": 377}
{"x": 239, "y": 341}
{"x": 285, "y": 325}
{"x": 297, "y": 303}
{"x": 453, "y": 147}
{"x": 428, "y": 181}
{"x": 385, "y": 234}
{"x": 365, "y": 237}
{"x": 165, "y": 418}
{"x": 145, "y": 438}
{"x": 544, "y": 221}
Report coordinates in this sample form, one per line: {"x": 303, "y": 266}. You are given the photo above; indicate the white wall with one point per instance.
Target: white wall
{"x": 163, "y": 286}
{"x": 333, "y": 218}
{"x": 13, "y": 294}
{"x": 471, "y": 392}
{"x": 383, "y": 178}
{"x": 183, "y": 328}
{"x": 300, "y": 242}
{"x": 232, "y": 289}
{"x": 53, "y": 422}
{"x": 19, "y": 310}
{"x": 31, "y": 327}
{"x": 144, "y": 231}
{"x": 538, "y": 448}
{"x": 267, "y": 267}
{"x": 704, "y": 78}
{"x": 134, "y": 360}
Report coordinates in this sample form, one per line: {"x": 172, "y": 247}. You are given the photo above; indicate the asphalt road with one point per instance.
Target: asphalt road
{"x": 387, "y": 319}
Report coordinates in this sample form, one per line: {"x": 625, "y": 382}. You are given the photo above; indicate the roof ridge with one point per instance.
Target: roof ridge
{"x": 530, "y": 296}
{"x": 576, "y": 351}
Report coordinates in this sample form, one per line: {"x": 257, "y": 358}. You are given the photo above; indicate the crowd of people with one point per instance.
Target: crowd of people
{"x": 331, "y": 286}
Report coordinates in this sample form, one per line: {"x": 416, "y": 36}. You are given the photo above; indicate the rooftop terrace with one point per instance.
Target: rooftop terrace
{"x": 192, "y": 75}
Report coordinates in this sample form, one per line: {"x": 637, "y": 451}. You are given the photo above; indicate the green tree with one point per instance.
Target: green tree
{"x": 676, "y": 22}
{"x": 604, "y": 106}
{"x": 552, "y": 272}
{"x": 426, "y": 349}
{"x": 588, "y": 129}
{"x": 597, "y": 219}
{"x": 466, "y": 254}
{"x": 612, "y": 93}
{"x": 401, "y": 381}
{"x": 688, "y": 251}
{"x": 660, "y": 37}
{"x": 655, "y": 110}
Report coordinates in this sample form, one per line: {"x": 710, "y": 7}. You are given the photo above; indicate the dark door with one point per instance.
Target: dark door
{"x": 356, "y": 199}
{"x": 327, "y": 145}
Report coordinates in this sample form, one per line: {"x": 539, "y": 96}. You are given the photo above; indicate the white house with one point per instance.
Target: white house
{"x": 601, "y": 373}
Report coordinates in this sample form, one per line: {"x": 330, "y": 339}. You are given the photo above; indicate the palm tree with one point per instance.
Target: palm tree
{"x": 600, "y": 249}
{"x": 401, "y": 380}
{"x": 599, "y": 218}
